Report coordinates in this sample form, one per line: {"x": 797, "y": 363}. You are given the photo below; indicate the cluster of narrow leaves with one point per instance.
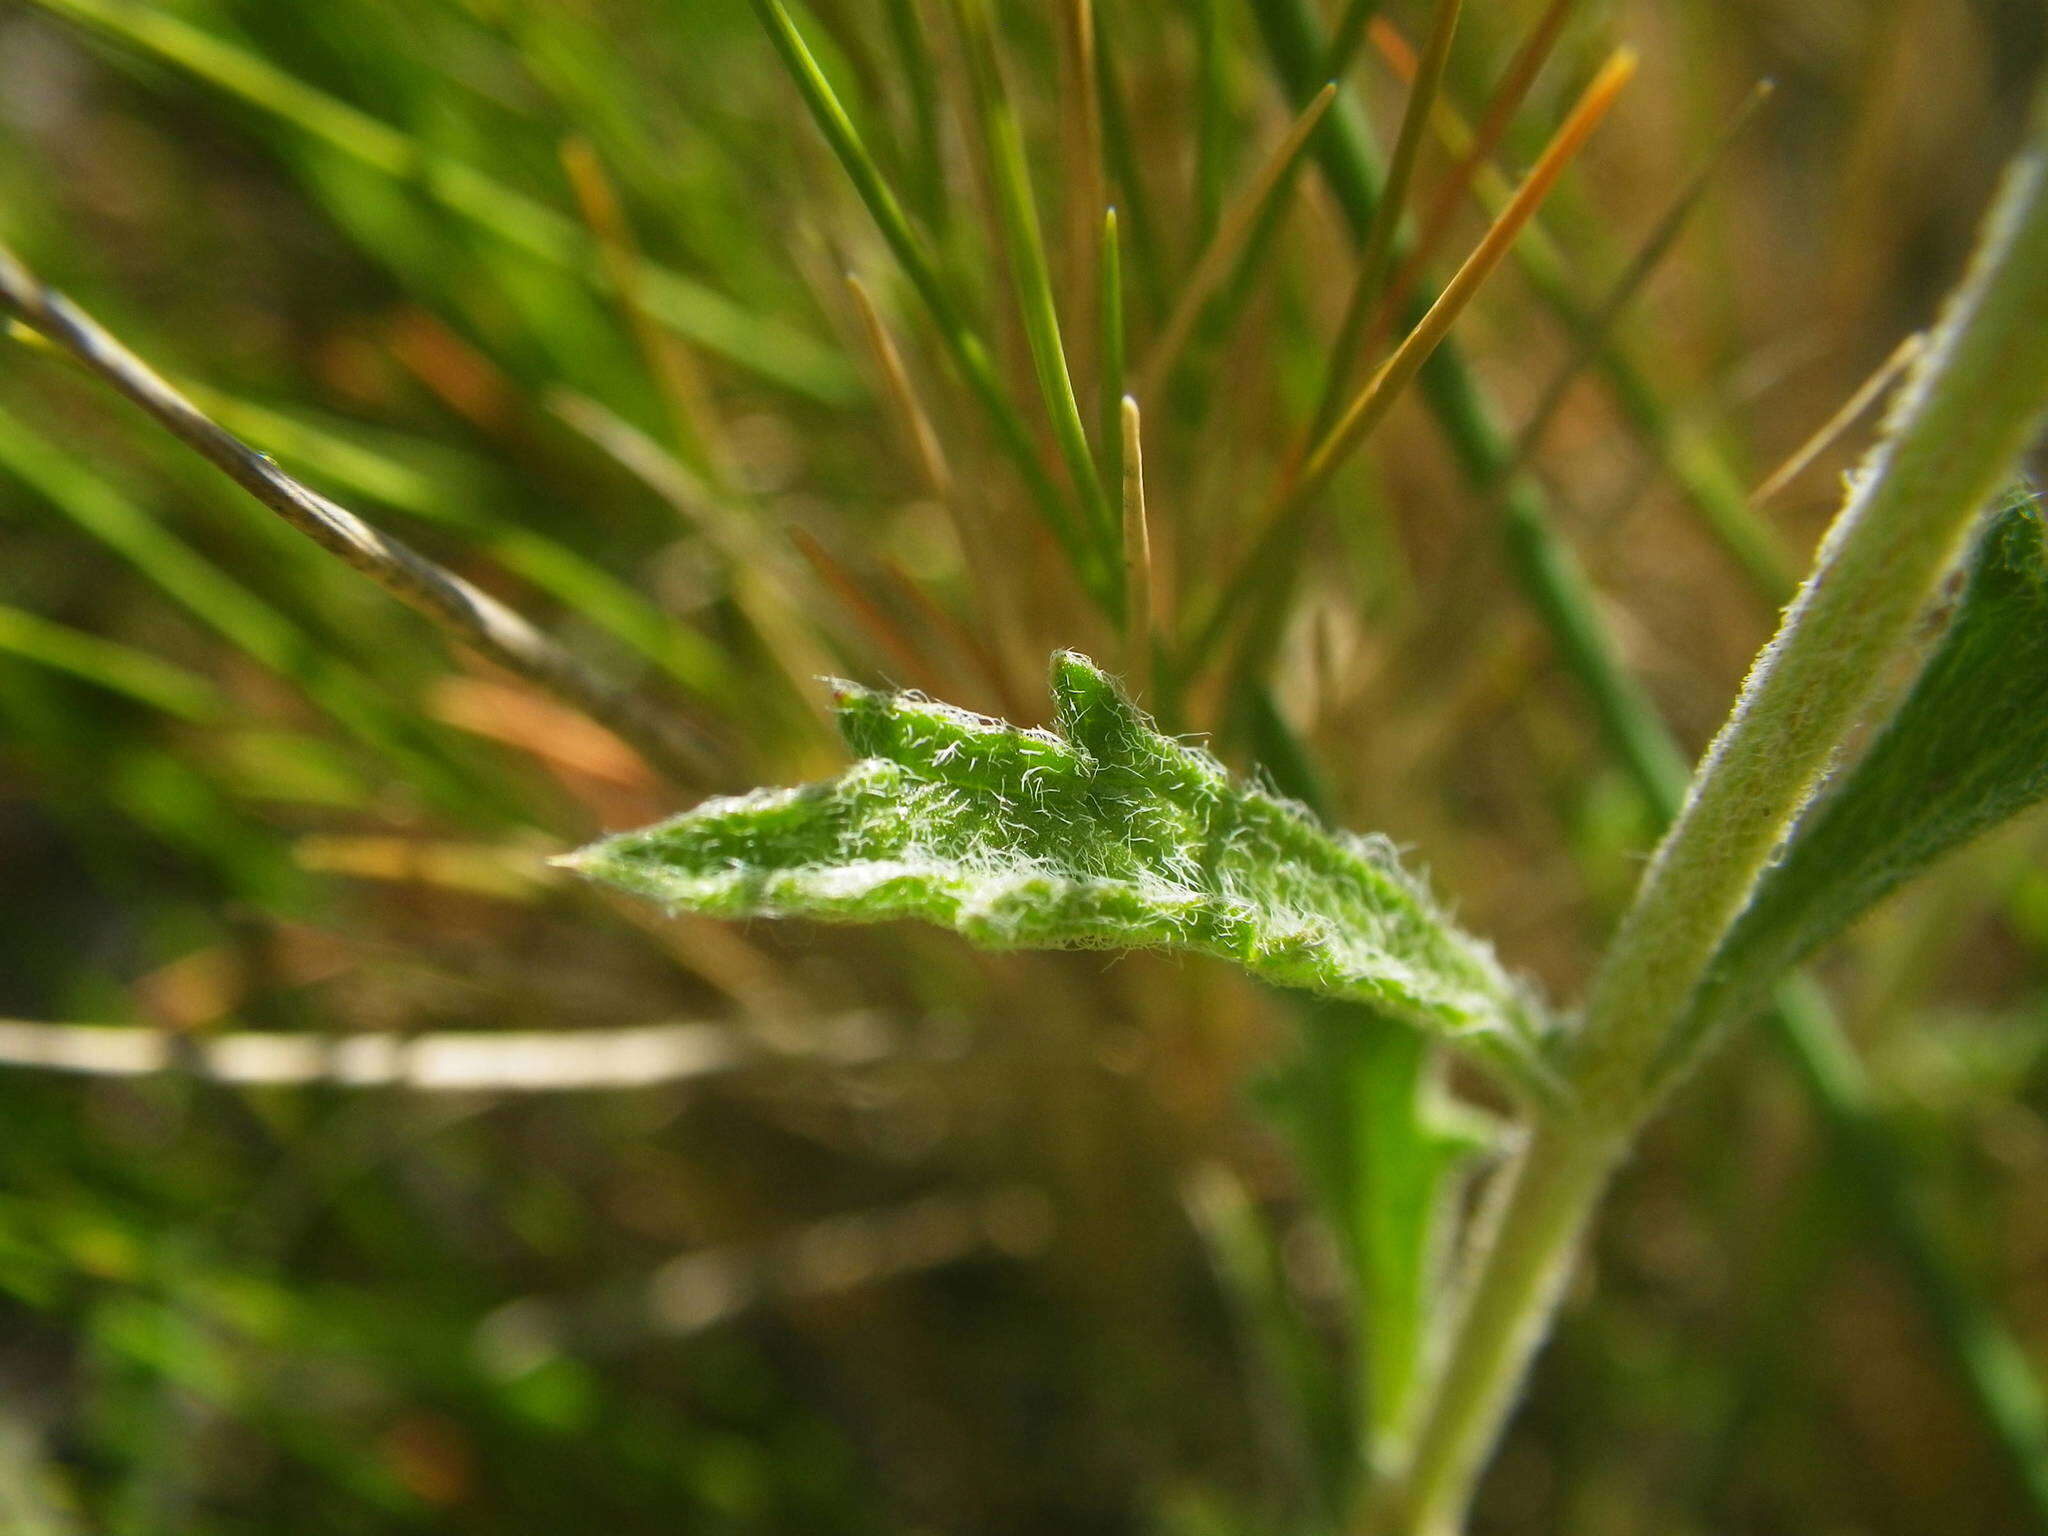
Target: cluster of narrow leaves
{"x": 1966, "y": 749}
{"x": 1100, "y": 833}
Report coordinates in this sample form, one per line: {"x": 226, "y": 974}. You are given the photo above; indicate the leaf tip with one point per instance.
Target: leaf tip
{"x": 861, "y": 715}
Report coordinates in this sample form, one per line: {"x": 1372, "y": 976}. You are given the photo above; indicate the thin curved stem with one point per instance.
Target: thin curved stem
{"x": 669, "y": 743}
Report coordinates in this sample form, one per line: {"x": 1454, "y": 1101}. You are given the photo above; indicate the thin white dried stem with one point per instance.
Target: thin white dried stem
{"x": 668, "y": 742}
{"x": 456, "y": 1061}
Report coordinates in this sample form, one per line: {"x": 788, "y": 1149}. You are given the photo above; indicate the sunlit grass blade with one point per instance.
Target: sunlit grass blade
{"x": 966, "y": 348}
{"x": 671, "y": 742}
{"x": 1233, "y": 234}
{"x": 1866, "y": 394}
{"x": 1139, "y": 625}
{"x": 768, "y": 348}
{"x": 1110, "y": 317}
{"x": 1373, "y": 262}
{"x": 1367, "y": 410}
{"x": 1030, "y": 271}
{"x": 1597, "y": 334}
{"x": 1474, "y": 148}
{"x": 109, "y": 664}
{"x": 1710, "y": 486}
{"x": 1291, "y": 506}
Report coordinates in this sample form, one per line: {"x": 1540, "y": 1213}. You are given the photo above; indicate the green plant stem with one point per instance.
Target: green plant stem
{"x": 2009, "y": 1402}
{"x": 1975, "y": 401}
{"x": 1535, "y": 1227}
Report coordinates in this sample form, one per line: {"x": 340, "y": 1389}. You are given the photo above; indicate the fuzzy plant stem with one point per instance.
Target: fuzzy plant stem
{"x": 1975, "y": 401}
{"x": 663, "y": 737}
{"x": 1981, "y": 1350}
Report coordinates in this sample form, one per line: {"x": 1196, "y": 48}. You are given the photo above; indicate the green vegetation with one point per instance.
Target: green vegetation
{"x": 436, "y": 438}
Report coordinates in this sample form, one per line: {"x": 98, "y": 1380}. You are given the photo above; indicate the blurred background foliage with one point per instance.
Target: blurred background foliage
{"x": 946, "y": 1243}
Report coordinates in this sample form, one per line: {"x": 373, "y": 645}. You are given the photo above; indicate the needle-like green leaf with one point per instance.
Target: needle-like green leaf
{"x": 1101, "y": 834}
{"x": 767, "y": 347}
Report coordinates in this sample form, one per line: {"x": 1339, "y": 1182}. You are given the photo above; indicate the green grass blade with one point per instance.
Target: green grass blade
{"x": 1030, "y": 271}
{"x": 110, "y": 665}
{"x": 766, "y": 347}
{"x": 1109, "y": 429}
{"x": 1377, "y": 256}
{"x": 963, "y": 345}
{"x": 1212, "y": 117}
{"x": 1384, "y": 1150}
{"x": 1125, "y": 173}
{"x": 920, "y": 71}
{"x": 1346, "y": 36}
{"x": 1237, "y": 248}
{"x": 230, "y": 609}
{"x": 578, "y": 583}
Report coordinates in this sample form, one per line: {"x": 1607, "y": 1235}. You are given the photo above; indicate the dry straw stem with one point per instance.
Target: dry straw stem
{"x": 1866, "y": 395}
{"x": 1234, "y": 229}
{"x": 1386, "y": 218}
{"x": 1713, "y": 489}
{"x": 1294, "y": 499}
{"x": 911, "y": 417}
{"x": 1976, "y": 398}
{"x": 477, "y": 619}
{"x": 1373, "y": 402}
{"x": 1475, "y": 153}
{"x": 1137, "y": 555}
{"x": 448, "y": 1061}
{"x": 458, "y": 1061}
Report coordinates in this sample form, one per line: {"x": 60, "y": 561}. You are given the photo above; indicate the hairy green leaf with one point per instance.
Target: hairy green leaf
{"x": 1102, "y": 834}
{"x": 1965, "y": 750}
